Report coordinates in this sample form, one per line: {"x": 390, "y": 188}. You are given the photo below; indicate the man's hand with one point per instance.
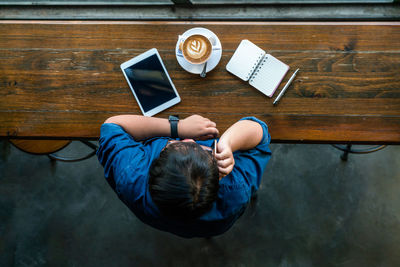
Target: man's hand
{"x": 197, "y": 127}
{"x": 242, "y": 135}
{"x": 225, "y": 159}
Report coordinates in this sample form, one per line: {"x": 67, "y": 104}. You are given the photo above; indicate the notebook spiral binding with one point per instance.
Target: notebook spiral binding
{"x": 259, "y": 63}
{"x": 250, "y": 74}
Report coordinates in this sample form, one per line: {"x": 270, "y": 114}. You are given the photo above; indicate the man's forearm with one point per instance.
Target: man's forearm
{"x": 243, "y": 135}
{"x": 141, "y": 127}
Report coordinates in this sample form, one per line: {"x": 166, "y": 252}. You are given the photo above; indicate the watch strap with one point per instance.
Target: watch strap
{"x": 173, "y": 121}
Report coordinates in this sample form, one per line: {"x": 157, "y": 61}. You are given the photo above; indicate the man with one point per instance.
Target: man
{"x": 178, "y": 184}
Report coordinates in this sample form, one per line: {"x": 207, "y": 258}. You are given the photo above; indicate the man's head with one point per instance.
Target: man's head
{"x": 184, "y": 180}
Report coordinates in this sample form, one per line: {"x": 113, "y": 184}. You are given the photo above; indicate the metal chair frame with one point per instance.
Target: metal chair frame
{"x": 54, "y": 156}
{"x": 348, "y": 149}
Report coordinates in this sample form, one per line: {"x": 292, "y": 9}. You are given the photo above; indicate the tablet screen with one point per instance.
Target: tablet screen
{"x": 150, "y": 83}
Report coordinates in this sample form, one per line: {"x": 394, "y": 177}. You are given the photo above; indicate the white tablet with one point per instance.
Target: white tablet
{"x": 150, "y": 83}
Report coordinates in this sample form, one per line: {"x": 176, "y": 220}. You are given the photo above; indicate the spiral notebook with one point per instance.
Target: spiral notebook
{"x": 263, "y": 71}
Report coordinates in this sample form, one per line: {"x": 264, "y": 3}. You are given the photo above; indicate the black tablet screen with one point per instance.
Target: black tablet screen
{"x": 150, "y": 83}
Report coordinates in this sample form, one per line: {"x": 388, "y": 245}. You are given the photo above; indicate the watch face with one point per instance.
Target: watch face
{"x": 173, "y": 118}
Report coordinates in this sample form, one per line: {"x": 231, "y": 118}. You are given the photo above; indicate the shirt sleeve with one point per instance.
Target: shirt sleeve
{"x": 245, "y": 178}
{"x": 120, "y": 156}
{"x": 254, "y": 161}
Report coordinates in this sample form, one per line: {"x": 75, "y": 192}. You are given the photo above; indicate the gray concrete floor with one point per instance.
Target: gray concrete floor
{"x": 312, "y": 210}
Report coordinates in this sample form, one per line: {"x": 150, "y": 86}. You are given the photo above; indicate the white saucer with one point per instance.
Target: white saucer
{"x": 215, "y": 55}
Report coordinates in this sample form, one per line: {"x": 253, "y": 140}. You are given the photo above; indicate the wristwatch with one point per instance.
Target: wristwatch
{"x": 173, "y": 121}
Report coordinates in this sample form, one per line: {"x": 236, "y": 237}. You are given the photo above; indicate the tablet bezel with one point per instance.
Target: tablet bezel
{"x": 163, "y": 106}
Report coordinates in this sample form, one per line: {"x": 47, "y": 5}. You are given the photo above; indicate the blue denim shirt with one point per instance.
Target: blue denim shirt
{"x": 126, "y": 167}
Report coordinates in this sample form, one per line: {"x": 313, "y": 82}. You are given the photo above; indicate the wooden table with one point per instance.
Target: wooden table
{"x": 61, "y": 79}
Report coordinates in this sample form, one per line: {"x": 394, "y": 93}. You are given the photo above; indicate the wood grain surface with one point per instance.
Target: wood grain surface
{"x": 61, "y": 79}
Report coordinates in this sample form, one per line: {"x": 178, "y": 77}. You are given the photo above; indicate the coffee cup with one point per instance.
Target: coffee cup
{"x": 196, "y": 48}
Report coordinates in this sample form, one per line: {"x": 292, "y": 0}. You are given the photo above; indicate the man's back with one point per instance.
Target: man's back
{"x": 127, "y": 163}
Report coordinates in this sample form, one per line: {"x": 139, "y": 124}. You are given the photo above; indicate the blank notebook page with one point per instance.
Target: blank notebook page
{"x": 245, "y": 59}
{"x": 269, "y": 75}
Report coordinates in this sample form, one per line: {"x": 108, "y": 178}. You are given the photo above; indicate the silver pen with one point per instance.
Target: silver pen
{"x": 286, "y": 87}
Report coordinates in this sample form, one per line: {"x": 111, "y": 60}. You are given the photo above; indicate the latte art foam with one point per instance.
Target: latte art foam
{"x": 197, "y": 49}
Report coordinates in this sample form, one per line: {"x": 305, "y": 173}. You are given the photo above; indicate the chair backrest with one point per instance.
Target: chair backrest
{"x": 39, "y": 147}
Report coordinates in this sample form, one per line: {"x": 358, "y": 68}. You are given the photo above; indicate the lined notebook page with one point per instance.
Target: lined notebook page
{"x": 269, "y": 75}
{"x": 245, "y": 60}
